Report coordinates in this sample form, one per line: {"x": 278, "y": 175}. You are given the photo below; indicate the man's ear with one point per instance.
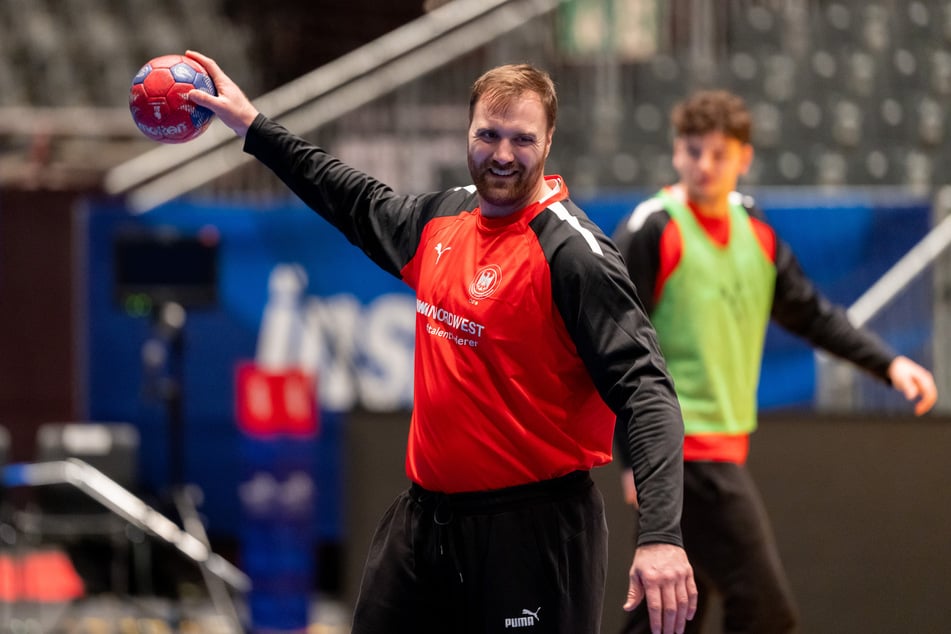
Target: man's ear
{"x": 746, "y": 158}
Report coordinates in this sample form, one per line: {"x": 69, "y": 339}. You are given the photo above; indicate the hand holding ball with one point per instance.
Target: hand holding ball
{"x": 158, "y": 99}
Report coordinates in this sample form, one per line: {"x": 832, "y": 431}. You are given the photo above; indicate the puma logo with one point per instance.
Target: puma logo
{"x": 528, "y": 619}
{"x": 440, "y": 250}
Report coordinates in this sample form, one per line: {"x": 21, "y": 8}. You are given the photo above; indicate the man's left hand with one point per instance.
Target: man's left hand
{"x": 663, "y": 577}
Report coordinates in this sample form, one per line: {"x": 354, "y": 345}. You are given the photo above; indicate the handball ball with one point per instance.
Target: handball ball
{"x": 158, "y": 99}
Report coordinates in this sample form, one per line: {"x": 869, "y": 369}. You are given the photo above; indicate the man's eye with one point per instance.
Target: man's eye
{"x": 487, "y": 135}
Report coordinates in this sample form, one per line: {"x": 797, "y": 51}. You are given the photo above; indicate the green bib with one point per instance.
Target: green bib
{"x": 711, "y": 322}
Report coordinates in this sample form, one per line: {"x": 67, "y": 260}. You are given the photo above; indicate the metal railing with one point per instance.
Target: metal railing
{"x": 839, "y": 385}
{"x": 125, "y": 504}
{"x": 326, "y": 93}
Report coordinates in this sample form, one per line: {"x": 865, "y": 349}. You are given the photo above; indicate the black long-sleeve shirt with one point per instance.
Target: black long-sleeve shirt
{"x": 530, "y": 339}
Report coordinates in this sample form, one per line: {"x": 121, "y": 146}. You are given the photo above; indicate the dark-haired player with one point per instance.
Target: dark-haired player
{"x": 711, "y": 273}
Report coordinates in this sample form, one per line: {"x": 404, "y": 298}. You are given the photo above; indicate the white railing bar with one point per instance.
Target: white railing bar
{"x": 362, "y": 91}
{"x": 901, "y": 273}
{"x": 364, "y": 60}
{"x": 68, "y": 121}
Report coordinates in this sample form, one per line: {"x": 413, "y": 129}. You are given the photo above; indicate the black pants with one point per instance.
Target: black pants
{"x": 529, "y": 558}
{"x": 730, "y": 544}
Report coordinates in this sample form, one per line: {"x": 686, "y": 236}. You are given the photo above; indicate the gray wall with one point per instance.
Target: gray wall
{"x": 861, "y": 510}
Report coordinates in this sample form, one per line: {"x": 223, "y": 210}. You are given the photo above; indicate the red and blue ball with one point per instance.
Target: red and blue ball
{"x": 158, "y": 99}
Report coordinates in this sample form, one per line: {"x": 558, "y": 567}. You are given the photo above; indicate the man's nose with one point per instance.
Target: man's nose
{"x": 504, "y": 152}
{"x": 705, "y": 161}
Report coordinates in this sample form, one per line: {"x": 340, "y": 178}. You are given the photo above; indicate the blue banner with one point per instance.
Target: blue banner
{"x": 359, "y": 322}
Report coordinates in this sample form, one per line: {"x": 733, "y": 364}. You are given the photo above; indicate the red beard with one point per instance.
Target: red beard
{"x": 515, "y": 190}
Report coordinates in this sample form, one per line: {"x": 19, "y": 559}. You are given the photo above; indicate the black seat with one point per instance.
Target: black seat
{"x": 63, "y": 514}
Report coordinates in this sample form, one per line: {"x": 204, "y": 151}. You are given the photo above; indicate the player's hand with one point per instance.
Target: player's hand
{"x": 231, "y": 105}
{"x": 915, "y": 382}
{"x": 663, "y": 577}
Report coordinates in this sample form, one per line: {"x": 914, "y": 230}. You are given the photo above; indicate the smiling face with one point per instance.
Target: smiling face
{"x": 509, "y": 141}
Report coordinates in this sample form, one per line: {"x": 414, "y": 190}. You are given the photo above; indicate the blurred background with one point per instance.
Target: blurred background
{"x": 148, "y": 290}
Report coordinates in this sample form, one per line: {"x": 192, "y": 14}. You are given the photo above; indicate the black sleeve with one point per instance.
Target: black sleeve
{"x": 802, "y": 310}
{"x": 385, "y": 226}
{"x": 638, "y": 238}
{"x": 618, "y": 346}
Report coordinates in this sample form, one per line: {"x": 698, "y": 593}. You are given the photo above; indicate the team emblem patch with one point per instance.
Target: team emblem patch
{"x": 486, "y": 280}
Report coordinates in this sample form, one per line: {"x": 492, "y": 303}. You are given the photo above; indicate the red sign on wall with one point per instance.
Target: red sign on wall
{"x": 271, "y": 403}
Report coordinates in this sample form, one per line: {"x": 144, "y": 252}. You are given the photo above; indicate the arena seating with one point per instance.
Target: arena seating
{"x": 844, "y": 93}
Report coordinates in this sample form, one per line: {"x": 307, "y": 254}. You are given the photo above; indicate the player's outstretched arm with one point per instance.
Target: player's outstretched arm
{"x": 915, "y": 382}
{"x": 231, "y": 105}
{"x": 662, "y": 576}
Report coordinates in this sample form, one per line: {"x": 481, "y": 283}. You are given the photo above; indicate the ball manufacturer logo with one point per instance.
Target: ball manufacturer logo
{"x": 485, "y": 282}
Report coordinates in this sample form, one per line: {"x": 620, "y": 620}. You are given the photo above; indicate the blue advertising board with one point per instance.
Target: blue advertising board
{"x": 364, "y": 320}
